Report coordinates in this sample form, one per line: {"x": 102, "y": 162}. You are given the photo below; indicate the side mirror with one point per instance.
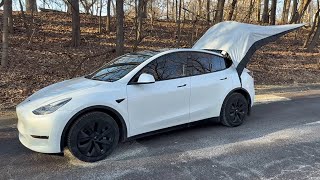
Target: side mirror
{"x": 146, "y": 79}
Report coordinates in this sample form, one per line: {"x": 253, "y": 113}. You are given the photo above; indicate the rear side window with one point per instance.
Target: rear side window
{"x": 203, "y": 63}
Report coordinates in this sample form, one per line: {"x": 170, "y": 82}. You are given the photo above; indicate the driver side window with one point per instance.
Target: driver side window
{"x": 169, "y": 66}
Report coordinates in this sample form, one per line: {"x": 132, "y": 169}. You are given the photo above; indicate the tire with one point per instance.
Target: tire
{"x": 234, "y": 110}
{"x": 93, "y": 137}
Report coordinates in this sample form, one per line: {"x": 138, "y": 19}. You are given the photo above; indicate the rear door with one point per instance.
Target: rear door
{"x": 211, "y": 81}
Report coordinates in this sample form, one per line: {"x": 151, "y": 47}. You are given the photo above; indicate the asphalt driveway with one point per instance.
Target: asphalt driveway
{"x": 280, "y": 140}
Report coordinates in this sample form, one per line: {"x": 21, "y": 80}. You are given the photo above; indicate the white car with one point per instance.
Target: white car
{"x": 135, "y": 94}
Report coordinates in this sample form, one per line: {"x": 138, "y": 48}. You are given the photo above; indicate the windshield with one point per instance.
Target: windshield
{"x": 119, "y": 67}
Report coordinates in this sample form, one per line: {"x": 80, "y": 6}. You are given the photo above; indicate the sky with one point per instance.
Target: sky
{"x": 60, "y": 5}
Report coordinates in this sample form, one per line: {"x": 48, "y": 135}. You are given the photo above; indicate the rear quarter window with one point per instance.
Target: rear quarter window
{"x": 203, "y": 63}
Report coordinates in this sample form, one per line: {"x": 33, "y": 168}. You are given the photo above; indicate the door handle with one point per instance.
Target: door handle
{"x": 182, "y": 85}
{"x": 223, "y": 78}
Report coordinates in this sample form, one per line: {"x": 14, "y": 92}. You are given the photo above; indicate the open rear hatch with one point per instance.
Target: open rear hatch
{"x": 241, "y": 40}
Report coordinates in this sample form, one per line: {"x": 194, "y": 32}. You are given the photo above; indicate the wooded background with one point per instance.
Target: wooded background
{"x": 179, "y": 11}
{"x": 51, "y": 40}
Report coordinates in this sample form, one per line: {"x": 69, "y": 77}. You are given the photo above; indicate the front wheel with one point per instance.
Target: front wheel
{"x": 234, "y": 110}
{"x": 93, "y": 136}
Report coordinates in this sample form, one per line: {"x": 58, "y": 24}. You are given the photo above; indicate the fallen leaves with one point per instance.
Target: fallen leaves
{"x": 49, "y": 59}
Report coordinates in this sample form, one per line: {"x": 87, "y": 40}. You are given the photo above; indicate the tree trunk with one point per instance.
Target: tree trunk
{"x": 232, "y": 7}
{"x": 145, "y": 9}
{"x": 75, "y": 23}
{"x": 108, "y": 23}
{"x": 199, "y": 8}
{"x": 265, "y": 13}
{"x": 176, "y": 11}
{"x": 120, "y": 32}
{"x": 10, "y": 19}
{"x": 24, "y": 19}
{"x": 315, "y": 38}
{"x": 219, "y": 11}
{"x": 179, "y": 25}
{"x": 69, "y": 7}
{"x": 259, "y": 10}
{"x": 273, "y": 12}
{"x": 5, "y": 34}
{"x": 167, "y": 9}
{"x": 151, "y": 6}
{"x": 208, "y": 11}
{"x": 296, "y": 17}
{"x": 31, "y": 6}
{"x": 139, "y": 22}
{"x": 100, "y": 17}
{"x": 248, "y": 16}
{"x": 294, "y": 10}
{"x": 316, "y": 18}
{"x": 114, "y": 8}
{"x": 285, "y": 11}
{"x": 316, "y": 35}
{"x": 172, "y": 9}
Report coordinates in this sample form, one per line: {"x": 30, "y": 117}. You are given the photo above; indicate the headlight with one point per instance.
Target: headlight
{"x": 50, "y": 108}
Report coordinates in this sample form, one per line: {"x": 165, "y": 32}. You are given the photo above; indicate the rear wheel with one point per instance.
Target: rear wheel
{"x": 234, "y": 110}
{"x": 93, "y": 136}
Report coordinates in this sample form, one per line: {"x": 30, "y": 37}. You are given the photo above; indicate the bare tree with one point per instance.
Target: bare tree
{"x": 250, "y": 10}
{"x": 285, "y": 11}
{"x": 208, "y": 11}
{"x": 315, "y": 30}
{"x": 69, "y": 7}
{"x": 5, "y": 34}
{"x": 259, "y": 10}
{"x": 176, "y": 19}
{"x": 265, "y": 12}
{"x": 167, "y": 9}
{"x": 231, "y": 11}
{"x": 31, "y": 6}
{"x": 108, "y": 23}
{"x": 219, "y": 11}
{"x": 88, "y": 5}
{"x": 145, "y": 9}
{"x": 120, "y": 32}
{"x": 273, "y": 12}
{"x": 75, "y": 23}
{"x": 297, "y": 15}
{"x": 294, "y": 9}
{"x": 100, "y": 17}
{"x": 140, "y": 14}
{"x": 199, "y": 7}
{"x": 179, "y": 25}
{"x": 10, "y": 19}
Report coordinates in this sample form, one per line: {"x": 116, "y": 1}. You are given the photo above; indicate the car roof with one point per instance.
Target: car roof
{"x": 170, "y": 50}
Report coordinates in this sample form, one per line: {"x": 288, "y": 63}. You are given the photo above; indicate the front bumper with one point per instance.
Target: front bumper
{"x": 40, "y": 133}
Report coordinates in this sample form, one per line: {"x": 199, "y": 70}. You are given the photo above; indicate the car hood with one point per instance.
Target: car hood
{"x": 61, "y": 90}
{"x": 241, "y": 40}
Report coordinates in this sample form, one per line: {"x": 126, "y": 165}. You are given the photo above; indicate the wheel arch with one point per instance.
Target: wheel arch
{"x": 110, "y": 111}
{"x": 245, "y": 93}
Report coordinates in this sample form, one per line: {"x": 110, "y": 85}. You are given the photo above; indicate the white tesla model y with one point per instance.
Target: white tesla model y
{"x": 143, "y": 92}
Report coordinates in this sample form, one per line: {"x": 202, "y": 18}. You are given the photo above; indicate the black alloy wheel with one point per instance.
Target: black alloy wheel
{"x": 234, "y": 110}
{"x": 93, "y": 137}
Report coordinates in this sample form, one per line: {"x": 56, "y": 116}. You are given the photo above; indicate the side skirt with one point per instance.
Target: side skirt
{"x": 178, "y": 127}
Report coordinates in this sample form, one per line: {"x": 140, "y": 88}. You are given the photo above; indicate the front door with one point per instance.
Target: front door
{"x": 164, "y": 103}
